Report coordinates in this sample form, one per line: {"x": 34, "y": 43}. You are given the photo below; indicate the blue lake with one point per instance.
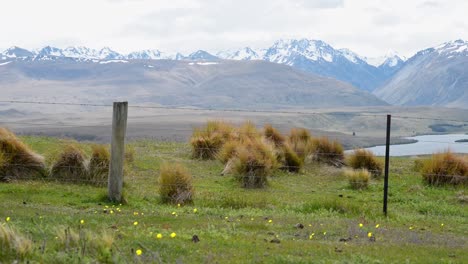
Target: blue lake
{"x": 426, "y": 145}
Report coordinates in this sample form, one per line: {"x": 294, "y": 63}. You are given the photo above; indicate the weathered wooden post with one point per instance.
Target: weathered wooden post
{"x": 387, "y": 164}
{"x": 119, "y": 129}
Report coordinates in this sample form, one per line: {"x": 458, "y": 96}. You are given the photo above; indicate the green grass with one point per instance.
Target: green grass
{"x": 425, "y": 224}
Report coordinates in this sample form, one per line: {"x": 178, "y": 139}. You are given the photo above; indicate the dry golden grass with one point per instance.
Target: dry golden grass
{"x": 208, "y": 140}
{"x": 175, "y": 184}
{"x": 274, "y": 136}
{"x": 300, "y": 140}
{"x": 365, "y": 159}
{"x": 328, "y": 151}
{"x": 358, "y": 179}
{"x": 18, "y": 161}
{"x": 70, "y": 166}
{"x": 14, "y": 243}
{"x": 445, "y": 168}
{"x": 99, "y": 165}
{"x": 254, "y": 162}
{"x": 292, "y": 162}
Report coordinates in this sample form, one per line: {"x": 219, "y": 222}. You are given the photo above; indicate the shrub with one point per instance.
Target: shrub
{"x": 18, "y": 161}
{"x": 328, "y": 152}
{"x": 99, "y": 165}
{"x": 274, "y": 136}
{"x": 175, "y": 184}
{"x": 13, "y": 244}
{"x": 300, "y": 140}
{"x": 358, "y": 179}
{"x": 208, "y": 140}
{"x": 254, "y": 162}
{"x": 445, "y": 168}
{"x": 365, "y": 159}
{"x": 70, "y": 166}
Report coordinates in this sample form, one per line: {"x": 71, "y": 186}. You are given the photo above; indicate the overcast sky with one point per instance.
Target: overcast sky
{"x": 368, "y": 27}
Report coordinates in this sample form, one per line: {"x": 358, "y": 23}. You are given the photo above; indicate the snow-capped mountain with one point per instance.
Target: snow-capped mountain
{"x": 242, "y": 54}
{"x": 391, "y": 59}
{"x": 147, "y": 55}
{"x": 16, "y": 53}
{"x": 199, "y": 55}
{"x": 81, "y": 52}
{"x": 434, "y": 76}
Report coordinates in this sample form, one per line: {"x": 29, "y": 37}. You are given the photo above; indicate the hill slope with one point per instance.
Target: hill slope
{"x": 433, "y": 77}
{"x": 236, "y": 84}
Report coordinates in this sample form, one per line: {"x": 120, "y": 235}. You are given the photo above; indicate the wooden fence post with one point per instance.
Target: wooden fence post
{"x": 119, "y": 129}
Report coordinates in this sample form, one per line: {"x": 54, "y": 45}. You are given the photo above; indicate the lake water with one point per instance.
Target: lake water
{"x": 426, "y": 145}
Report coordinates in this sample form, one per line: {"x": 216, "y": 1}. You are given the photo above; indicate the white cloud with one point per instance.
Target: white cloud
{"x": 369, "y": 27}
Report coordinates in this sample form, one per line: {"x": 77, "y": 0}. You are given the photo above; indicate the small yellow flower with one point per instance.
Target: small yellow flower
{"x": 8, "y": 219}
{"x": 135, "y": 223}
{"x": 369, "y": 235}
{"x": 178, "y": 205}
{"x": 82, "y": 221}
{"x": 173, "y": 213}
{"x": 226, "y": 218}
{"x": 377, "y": 226}
{"x": 142, "y": 213}
{"x": 195, "y": 210}
{"x": 173, "y": 235}
{"x": 159, "y": 236}
{"x": 251, "y": 219}
{"x": 270, "y": 221}
{"x": 361, "y": 225}
{"x": 310, "y": 224}
{"x": 312, "y": 236}
{"x": 107, "y": 206}
{"x": 111, "y": 211}
{"x": 135, "y": 213}
{"x": 442, "y": 225}
{"x": 324, "y": 233}
{"x": 139, "y": 252}
{"x": 410, "y": 228}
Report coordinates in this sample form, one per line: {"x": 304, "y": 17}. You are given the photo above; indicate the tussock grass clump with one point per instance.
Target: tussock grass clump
{"x": 208, "y": 140}
{"x": 254, "y": 162}
{"x": 175, "y": 184}
{"x": 300, "y": 140}
{"x": 274, "y": 136}
{"x": 97, "y": 245}
{"x": 365, "y": 159}
{"x": 99, "y": 165}
{"x": 13, "y": 244}
{"x": 70, "y": 166}
{"x": 445, "y": 168}
{"x": 17, "y": 160}
{"x": 358, "y": 179}
{"x": 247, "y": 130}
{"x": 328, "y": 151}
{"x": 292, "y": 162}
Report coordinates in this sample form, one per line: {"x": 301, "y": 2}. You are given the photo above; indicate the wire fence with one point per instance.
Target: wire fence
{"x": 182, "y": 153}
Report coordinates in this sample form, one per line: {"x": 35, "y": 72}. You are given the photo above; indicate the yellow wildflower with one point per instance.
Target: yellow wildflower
{"x": 173, "y": 235}
{"x": 139, "y": 252}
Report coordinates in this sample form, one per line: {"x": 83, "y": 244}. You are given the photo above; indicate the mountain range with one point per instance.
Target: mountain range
{"x": 313, "y": 56}
{"x": 435, "y": 76}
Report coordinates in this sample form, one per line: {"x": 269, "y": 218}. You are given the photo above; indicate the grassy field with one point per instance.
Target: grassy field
{"x": 75, "y": 224}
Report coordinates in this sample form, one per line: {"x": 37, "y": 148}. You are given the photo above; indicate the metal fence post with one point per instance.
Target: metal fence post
{"x": 387, "y": 163}
{"x": 119, "y": 128}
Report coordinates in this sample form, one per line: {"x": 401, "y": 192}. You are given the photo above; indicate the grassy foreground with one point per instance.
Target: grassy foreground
{"x": 75, "y": 224}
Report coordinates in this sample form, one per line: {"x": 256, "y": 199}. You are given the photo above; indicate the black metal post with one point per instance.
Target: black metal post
{"x": 387, "y": 162}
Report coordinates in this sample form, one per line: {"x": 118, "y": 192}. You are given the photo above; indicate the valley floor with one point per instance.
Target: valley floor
{"x": 340, "y": 225}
